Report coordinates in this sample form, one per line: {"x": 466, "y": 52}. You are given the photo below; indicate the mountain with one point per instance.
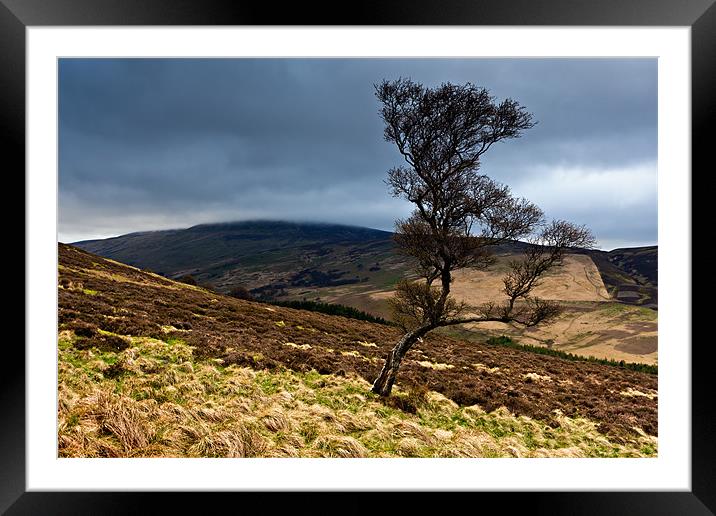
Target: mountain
{"x": 286, "y": 260}
{"x": 150, "y": 367}
{"x": 266, "y": 256}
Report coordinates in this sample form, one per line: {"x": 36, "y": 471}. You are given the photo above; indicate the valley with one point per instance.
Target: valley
{"x": 608, "y": 298}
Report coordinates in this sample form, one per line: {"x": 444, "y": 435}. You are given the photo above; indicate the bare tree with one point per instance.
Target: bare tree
{"x": 460, "y": 213}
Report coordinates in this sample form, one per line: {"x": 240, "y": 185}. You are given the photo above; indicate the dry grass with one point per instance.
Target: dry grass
{"x": 156, "y": 399}
{"x": 537, "y": 377}
{"x": 254, "y": 335}
{"x": 591, "y": 324}
{"x": 633, "y": 392}
{"x": 434, "y": 365}
{"x": 577, "y": 279}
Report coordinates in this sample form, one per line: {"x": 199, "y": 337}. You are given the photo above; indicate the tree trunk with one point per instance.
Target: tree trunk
{"x": 384, "y": 383}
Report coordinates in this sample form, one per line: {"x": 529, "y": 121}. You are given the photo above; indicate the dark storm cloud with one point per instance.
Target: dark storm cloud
{"x": 156, "y": 143}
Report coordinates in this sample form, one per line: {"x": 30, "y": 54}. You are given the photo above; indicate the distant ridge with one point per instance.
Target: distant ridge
{"x": 268, "y": 256}
{"x": 212, "y": 252}
{"x": 262, "y": 227}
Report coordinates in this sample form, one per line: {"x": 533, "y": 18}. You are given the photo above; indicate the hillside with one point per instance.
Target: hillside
{"x": 266, "y": 256}
{"x": 359, "y": 267}
{"x": 152, "y": 367}
{"x": 345, "y": 264}
{"x": 630, "y": 274}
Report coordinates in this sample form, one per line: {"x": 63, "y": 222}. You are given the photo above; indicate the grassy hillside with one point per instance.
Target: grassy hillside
{"x": 607, "y": 330}
{"x": 591, "y": 323}
{"x": 155, "y": 399}
{"x": 345, "y": 264}
{"x": 271, "y": 258}
{"x": 152, "y": 367}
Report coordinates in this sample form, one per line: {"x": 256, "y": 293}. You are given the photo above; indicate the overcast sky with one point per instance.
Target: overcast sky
{"x": 169, "y": 143}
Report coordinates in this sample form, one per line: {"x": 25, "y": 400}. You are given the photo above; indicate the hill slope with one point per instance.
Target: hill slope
{"x": 264, "y": 255}
{"x": 160, "y": 355}
{"x": 630, "y": 274}
{"x": 346, "y": 264}
{"x": 359, "y": 267}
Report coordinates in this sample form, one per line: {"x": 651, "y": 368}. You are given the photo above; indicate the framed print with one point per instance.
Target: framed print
{"x": 124, "y": 111}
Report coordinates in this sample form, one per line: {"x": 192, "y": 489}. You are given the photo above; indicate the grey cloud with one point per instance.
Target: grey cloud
{"x": 165, "y": 143}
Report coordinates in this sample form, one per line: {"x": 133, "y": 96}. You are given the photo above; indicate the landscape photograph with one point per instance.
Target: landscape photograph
{"x": 357, "y": 258}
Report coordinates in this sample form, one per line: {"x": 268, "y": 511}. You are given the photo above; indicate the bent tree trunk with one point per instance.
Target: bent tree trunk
{"x": 384, "y": 383}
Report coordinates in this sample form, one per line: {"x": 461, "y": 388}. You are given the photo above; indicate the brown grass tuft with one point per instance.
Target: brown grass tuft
{"x": 122, "y": 419}
{"x": 277, "y": 422}
{"x": 339, "y": 446}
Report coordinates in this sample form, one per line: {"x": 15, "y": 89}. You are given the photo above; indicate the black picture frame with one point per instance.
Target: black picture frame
{"x": 16, "y": 15}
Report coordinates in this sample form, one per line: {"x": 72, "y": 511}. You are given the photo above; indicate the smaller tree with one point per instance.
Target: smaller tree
{"x": 188, "y": 279}
{"x": 240, "y": 292}
{"x": 460, "y": 215}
